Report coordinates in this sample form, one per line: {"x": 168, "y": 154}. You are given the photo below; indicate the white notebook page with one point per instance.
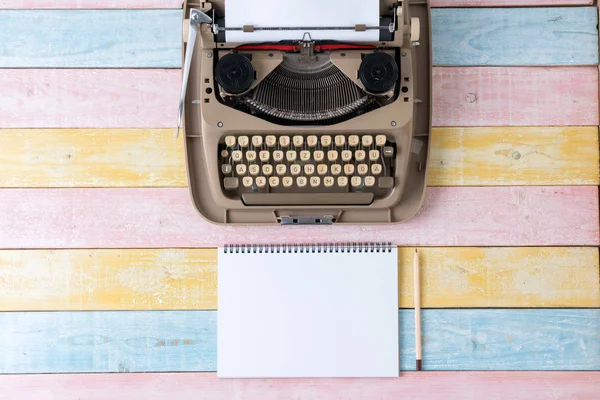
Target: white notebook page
{"x": 305, "y": 13}
{"x": 308, "y": 315}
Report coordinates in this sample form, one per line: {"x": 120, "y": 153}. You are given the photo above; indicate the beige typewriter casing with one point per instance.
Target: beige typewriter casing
{"x": 207, "y": 122}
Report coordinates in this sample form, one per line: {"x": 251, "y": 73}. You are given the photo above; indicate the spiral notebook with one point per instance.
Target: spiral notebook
{"x": 308, "y": 311}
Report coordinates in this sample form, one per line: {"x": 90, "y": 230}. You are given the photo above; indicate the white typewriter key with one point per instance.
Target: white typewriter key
{"x": 342, "y": 181}
{"x": 295, "y": 169}
{"x": 369, "y": 181}
{"x": 301, "y": 181}
{"x": 244, "y": 141}
{"x": 271, "y": 141}
{"x": 367, "y": 140}
{"x": 328, "y": 181}
{"x": 261, "y": 181}
{"x": 315, "y": 181}
{"x": 353, "y": 140}
{"x": 380, "y": 140}
{"x": 257, "y": 141}
{"x": 340, "y": 140}
{"x": 362, "y": 169}
{"x": 312, "y": 141}
{"x": 287, "y": 181}
{"x": 274, "y": 181}
{"x": 241, "y": 169}
{"x": 267, "y": 169}
{"x": 291, "y": 155}
{"x": 374, "y": 155}
{"x": 360, "y": 155}
{"x": 356, "y": 181}
{"x": 247, "y": 181}
{"x": 298, "y": 141}
{"x": 326, "y": 141}
{"x": 332, "y": 155}
{"x": 346, "y": 155}
{"x": 251, "y": 155}
{"x": 281, "y": 169}
{"x": 349, "y": 169}
{"x": 284, "y": 141}
{"x": 319, "y": 155}
{"x": 376, "y": 169}
{"x": 309, "y": 169}
{"x": 264, "y": 156}
{"x": 237, "y": 155}
{"x": 322, "y": 169}
{"x": 305, "y": 155}
{"x": 278, "y": 155}
{"x": 230, "y": 141}
{"x": 336, "y": 169}
{"x": 254, "y": 169}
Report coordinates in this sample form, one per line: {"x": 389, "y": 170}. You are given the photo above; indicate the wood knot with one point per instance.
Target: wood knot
{"x": 516, "y": 155}
{"x": 471, "y": 97}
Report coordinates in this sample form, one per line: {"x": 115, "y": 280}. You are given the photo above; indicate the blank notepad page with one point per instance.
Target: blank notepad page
{"x": 304, "y": 314}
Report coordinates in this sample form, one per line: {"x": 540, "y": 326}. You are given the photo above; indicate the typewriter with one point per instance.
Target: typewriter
{"x": 307, "y": 130}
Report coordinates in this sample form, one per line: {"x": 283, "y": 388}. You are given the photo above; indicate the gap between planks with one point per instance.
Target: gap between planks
{"x": 186, "y": 279}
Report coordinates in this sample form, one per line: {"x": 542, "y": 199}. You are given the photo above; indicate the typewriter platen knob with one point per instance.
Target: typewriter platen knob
{"x": 235, "y": 73}
{"x": 378, "y": 72}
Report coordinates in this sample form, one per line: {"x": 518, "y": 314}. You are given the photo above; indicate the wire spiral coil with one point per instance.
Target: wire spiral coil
{"x": 309, "y": 248}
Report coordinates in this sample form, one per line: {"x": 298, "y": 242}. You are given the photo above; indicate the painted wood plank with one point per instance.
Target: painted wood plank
{"x": 514, "y": 156}
{"x": 186, "y": 279}
{"x": 174, "y": 341}
{"x": 497, "y": 385}
{"x": 164, "y": 218}
{"x": 91, "y": 158}
{"x": 493, "y": 96}
{"x": 509, "y": 3}
{"x": 90, "y": 39}
{"x": 101, "y": 98}
{"x": 90, "y": 4}
{"x": 151, "y": 158}
{"x": 515, "y": 36}
{"x": 133, "y": 98}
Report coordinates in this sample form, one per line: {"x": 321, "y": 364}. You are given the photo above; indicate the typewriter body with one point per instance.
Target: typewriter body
{"x": 307, "y": 131}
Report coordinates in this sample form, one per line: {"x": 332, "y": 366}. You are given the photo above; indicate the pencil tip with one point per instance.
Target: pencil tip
{"x": 416, "y": 250}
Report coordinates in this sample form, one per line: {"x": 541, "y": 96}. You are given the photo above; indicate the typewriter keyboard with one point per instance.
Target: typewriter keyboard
{"x": 307, "y": 170}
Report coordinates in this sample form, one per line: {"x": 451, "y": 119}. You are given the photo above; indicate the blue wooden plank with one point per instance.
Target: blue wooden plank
{"x": 90, "y": 38}
{"x": 515, "y": 36}
{"x": 161, "y": 341}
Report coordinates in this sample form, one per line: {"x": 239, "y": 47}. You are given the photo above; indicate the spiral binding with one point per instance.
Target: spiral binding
{"x": 310, "y": 248}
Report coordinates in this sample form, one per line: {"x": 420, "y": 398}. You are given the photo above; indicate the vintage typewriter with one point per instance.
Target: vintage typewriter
{"x": 309, "y": 130}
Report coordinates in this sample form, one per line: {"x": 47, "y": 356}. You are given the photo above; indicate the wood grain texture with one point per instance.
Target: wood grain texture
{"x": 532, "y": 385}
{"x": 89, "y": 4}
{"x": 186, "y": 279}
{"x": 493, "y": 96}
{"x": 515, "y": 36}
{"x": 509, "y": 3}
{"x": 151, "y": 158}
{"x": 100, "y": 98}
{"x": 89, "y": 98}
{"x": 91, "y": 158}
{"x": 177, "y": 341}
{"x": 514, "y": 156}
{"x": 164, "y": 218}
{"x": 90, "y": 39}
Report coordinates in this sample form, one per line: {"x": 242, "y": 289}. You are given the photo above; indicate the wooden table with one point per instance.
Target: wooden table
{"x": 106, "y": 267}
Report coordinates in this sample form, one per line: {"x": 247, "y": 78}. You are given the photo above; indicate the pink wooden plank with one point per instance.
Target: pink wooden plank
{"x": 148, "y": 218}
{"x": 99, "y": 98}
{"x": 560, "y": 96}
{"x": 508, "y": 3}
{"x": 89, "y": 4}
{"x": 89, "y": 98}
{"x": 410, "y": 385}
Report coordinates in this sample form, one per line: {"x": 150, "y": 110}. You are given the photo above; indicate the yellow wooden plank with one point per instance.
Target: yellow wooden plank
{"x": 186, "y": 279}
{"x": 514, "y": 156}
{"x": 152, "y": 158}
{"x": 91, "y": 158}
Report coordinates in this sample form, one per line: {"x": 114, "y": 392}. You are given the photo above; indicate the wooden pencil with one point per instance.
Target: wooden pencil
{"x": 417, "y": 297}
